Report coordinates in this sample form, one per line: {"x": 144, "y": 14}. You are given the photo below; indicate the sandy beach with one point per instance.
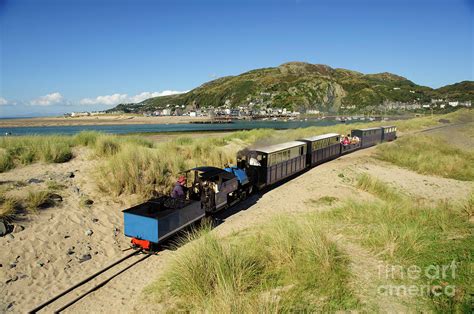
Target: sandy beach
{"x": 97, "y": 120}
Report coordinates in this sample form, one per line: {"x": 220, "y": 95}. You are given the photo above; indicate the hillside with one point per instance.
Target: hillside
{"x": 300, "y": 86}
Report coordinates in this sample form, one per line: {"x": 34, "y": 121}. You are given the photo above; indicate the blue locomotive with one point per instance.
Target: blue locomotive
{"x": 211, "y": 189}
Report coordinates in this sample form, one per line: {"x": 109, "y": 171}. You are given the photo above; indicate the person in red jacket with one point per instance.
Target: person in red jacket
{"x": 346, "y": 141}
{"x": 178, "y": 190}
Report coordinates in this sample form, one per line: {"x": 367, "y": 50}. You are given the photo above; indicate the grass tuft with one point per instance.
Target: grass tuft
{"x": 404, "y": 231}
{"x": 6, "y": 160}
{"x": 8, "y": 207}
{"x": 37, "y": 200}
{"x": 106, "y": 146}
{"x": 429, "y": 155}
{"x": 378, "y": 188}
{"x": 277, "y": 267}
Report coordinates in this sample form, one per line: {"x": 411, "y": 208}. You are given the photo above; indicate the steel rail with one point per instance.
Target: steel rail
{"x": 48, "y": 302}
{"x": 103, "y": 283}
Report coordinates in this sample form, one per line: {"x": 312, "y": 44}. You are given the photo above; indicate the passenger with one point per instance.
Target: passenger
{"x": 346, "y": 141}
{"x": 355, "y": 140}
{"x": 254, "y": 162}
{"x": 342, "y": 138}
{"x": 178, "y": 190}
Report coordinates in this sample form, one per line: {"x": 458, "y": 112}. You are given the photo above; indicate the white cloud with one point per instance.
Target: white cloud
{"x": 116, "y": 99}
{"x": 47, "y": 100}
{"x": 105, "y": 100}
{"x": 3, "y": 101}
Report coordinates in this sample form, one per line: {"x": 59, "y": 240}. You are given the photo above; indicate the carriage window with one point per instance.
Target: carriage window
{"x": 272, "y": 159}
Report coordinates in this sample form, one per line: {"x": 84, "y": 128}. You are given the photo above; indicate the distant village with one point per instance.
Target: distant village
{"x": 266, "y": 112}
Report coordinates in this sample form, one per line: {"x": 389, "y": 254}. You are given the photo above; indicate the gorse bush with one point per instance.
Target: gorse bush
{"x": 429, "y": 155}
{"x": 277, "y": 268}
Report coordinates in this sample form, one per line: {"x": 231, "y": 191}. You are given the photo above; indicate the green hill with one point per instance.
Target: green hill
{"x": 300, "y": 86}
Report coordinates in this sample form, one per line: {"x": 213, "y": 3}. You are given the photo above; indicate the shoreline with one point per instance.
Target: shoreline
{"x": 96, "y": 120}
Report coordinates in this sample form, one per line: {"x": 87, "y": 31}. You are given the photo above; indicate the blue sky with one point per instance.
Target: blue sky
{"x": 64, "y": 55}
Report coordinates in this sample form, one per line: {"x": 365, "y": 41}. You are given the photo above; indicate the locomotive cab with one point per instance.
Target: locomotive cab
{"x": 215, "y": 188}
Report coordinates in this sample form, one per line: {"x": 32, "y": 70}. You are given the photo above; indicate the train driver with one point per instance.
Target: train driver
{"x": 178, "y": 190}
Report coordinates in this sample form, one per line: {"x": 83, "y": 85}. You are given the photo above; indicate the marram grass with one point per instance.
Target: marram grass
{"x": 429, "y": 155}
{"x": 287, "y": 265}
{"x": 405, "y": 231}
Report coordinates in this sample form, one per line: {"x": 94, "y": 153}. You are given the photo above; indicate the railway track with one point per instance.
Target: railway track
{"x": 96, "y": 286}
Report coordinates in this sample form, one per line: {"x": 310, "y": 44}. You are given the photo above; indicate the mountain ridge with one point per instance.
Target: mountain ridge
{"x": 302, "y": 86}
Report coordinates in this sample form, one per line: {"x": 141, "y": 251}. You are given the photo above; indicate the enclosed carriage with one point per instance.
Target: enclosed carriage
{"x": 389, "y": 133}
{"x": 271, "y": 164}
{"x": 322, "y": 148}
{"x": 368, "y": 137}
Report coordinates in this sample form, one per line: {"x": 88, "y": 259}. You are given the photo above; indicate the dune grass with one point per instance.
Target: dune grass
{"x": 406, "y": 232}
{"x": 25, "y": 150}
{"x": 378, "y": 188}
{"x": 145, "y": 171}
{"x": 427, "y": 154}
{"x": 36, "y": 200}
{"x": 277, "y": 268}
{"x": 8, "y": 207}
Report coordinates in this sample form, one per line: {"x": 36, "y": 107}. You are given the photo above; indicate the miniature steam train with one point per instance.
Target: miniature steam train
{"x": 211, "y": 189}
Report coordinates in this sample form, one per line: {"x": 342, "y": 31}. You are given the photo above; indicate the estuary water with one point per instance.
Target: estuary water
{"x": 157, "y": 128}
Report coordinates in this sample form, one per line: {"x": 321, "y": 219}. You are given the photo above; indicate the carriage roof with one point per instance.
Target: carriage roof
{"x": 319, "y": 137}
{"x": 278, "y": 147}
{"x": 368, "y": 129}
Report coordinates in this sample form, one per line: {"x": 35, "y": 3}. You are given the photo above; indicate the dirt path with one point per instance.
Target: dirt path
{"x": 48, "y": 236}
